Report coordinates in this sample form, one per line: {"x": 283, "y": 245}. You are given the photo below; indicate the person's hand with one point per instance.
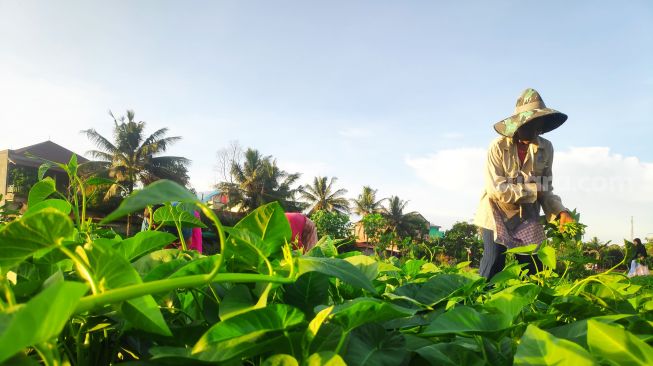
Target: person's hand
{"x": 565, "y": 218}
{"x": 528, "y": 178}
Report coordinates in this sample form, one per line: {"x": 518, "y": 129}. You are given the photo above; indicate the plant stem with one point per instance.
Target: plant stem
{"x": 479, "y": 340}
{"x": 292, "y": 348}
{"x": 341, "y": 342}
{"x": 537, "y": 270}
{"x": 84, "y": 271}
{"x": 566, "y": 269}
{"x": 9, "y": 295}
{"x": 218, "y": 225}
{"x": 83, "y": 193}
{"x": 128, "y": 292}
{"x": 76, "y": 209}
{"x": 181, "y": 236}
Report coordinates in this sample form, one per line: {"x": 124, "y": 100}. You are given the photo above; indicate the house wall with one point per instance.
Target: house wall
{"x": 4, "y": 165}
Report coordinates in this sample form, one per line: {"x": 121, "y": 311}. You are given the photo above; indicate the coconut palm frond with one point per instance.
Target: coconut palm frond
{"x": 130, "y": 159}
{"x": 100, "y": 141}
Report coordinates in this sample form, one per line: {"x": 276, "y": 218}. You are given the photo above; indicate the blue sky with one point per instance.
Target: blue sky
{"x": 397, "y": 95}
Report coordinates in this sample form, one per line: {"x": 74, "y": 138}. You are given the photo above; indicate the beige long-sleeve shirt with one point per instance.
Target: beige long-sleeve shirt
{"x": 515, "y": 188}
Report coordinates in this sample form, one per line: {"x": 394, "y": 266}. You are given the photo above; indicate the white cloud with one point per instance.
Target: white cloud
{"x": 454, "y": 178}
{"x": 607, "y": 188}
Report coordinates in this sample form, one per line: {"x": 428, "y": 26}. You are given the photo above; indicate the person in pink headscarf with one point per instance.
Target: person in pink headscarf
{"x": 304, "y": 232}
{"x": 195, "y": 242}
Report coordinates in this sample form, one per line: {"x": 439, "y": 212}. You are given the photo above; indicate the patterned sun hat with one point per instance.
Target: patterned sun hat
{"x": 530, "y": 107}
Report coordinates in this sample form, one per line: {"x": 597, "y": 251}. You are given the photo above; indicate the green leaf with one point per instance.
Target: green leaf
{"x": 24, "y": 237}
{"x": 236, "y": 301}
{"x": 314, "y": 327}
{"x": 269, "y": 223}
{"x": 40, "y": 191}
{"x": 43, "y": 169}
{"x": 40, "y": 319}
{"x": 513, "y": 300}
{"x": 527, "y": 249}
{"x": 538, "y": 347}
{"x": 161, "y": 191}
{"x": 72, "y": 165}
{"x": 511, "y": 272}
{"x": 464, "y": 264}
{"x": 576, "y": 306}
{"x": 429, "y": 269}
{"x": 197, "y": 266}
{"x": 325, "y": 247}
{"x": 228, "y": 356}
{"x": 326, "y": 358}
{"x": 365, "y": 310}
{"x": 371, "y": 345}
{"x": 245, "y": 329}
{"x": 388, "y": 267}
{"x": 62, "y": 205}
{"x": 337, "y": 268}
{"x": 412, "y": 267}
{"x": 265, "y": 230}
{"x": 160, "y": 271}
{"x": 417, "y": 320}
{"x": 574, "y": 331}
{"x": 113, "y": 271}
{"x": 280, "y": 360}
{"x": 169, "y": 215}
{"x": 466, "y": 320}
{"x": 142, "y": 243}
{"x": 437, "y": 289}
{"x": 244, "y": 246}
{"x": 577, "y": 331}
{"x": 308, "y": 291}
{"x": 367, "y": 265}
{"x": 548, "y": 256}
{"x": 617, "y": 345}
{"x": 151, "y": 261}
{"x": 450, "y": 354}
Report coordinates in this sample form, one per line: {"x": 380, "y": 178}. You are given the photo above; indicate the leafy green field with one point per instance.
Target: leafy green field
{"x": 74, "y": 292}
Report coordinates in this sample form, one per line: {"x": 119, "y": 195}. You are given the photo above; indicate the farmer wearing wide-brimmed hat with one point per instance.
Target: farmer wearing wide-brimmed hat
{"x": 518, "y": 183}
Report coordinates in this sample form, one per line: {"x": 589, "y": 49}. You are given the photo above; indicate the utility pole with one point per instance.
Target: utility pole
{"x": 632, "y": 231}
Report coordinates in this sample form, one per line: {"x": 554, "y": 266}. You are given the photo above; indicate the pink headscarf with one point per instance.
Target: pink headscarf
{"x": 297, "y": 222}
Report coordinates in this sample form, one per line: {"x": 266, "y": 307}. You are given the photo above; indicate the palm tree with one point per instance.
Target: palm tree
{"x": 404, "y": 224}
{"x": 366, "y": 202}
{"x": 134, "y": 157}
{"x": 257, "y": 181}
{"x": 321, "y": 196}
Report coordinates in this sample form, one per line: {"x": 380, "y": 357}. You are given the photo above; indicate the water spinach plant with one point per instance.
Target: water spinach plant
{"x": 73, "y": 292}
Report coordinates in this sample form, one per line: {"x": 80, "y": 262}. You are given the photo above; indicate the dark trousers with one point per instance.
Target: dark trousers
{"x": 494, "y": 258}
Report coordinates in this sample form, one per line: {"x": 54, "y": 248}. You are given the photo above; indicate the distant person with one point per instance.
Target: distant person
{"x": 145, "y": 225}
{"x": 518, "y": 175}
{"x": 637, "y": 266}
{"x": 196, "y": 236}
{"x": 304, "y": 232}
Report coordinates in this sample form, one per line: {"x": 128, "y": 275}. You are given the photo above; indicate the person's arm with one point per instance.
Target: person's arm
{"x": 499, "y": 187}
{"x": 551, "y": 203}
{"x": 641, "y": 251}
{"x": 309, "y": 235}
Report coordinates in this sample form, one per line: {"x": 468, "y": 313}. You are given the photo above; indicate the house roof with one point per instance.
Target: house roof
{"x": 46, "y": 150}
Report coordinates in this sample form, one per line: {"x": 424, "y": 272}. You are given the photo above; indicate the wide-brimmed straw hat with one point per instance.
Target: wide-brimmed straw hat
{"x": 530, "y": 107}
